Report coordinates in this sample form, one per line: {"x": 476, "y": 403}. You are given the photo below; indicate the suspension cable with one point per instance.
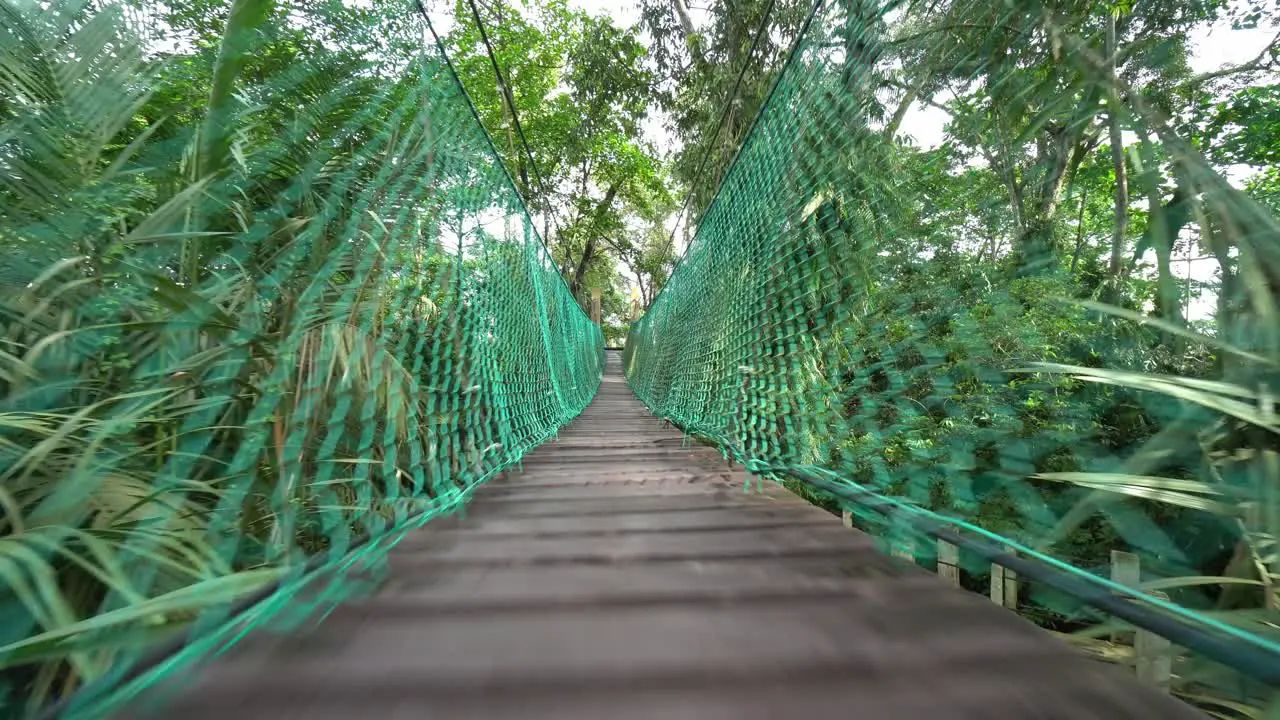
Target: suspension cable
{"x": 457, "y": 79}
{"x": 724, "y": 114}
{"x": 791, "y": 56}
{"x": 504, "y": 89}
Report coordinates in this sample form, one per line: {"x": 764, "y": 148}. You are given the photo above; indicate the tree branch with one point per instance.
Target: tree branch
{"x": 891, "y": 130}
{"x": 682, "y": 14}
{"x": 1265, "y": 60}
{"x": 690, "y": 32}
{"x": 588, "y": 252}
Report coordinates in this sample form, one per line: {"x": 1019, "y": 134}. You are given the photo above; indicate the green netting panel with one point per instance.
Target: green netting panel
{"x": 918, "y": 322}
{"x": 268, "y": 300}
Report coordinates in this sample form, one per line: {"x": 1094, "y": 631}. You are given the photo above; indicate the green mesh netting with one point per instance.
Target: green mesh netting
{"x": 266, "y": 304}
{"x": 828, "y": 318}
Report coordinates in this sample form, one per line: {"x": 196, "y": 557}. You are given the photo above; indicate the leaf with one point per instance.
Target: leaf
{"x": 156, "y": 224}
{"x": 125, "y": 155}
{"x": 1162, "y": 490}
{"x": 107, "y": 571}
{"x": 1196, "y": 581}
{"x": 1239, "y": 709}
{"x": 1144, "y": 481}
{"x": 55, "y": 269}
{"x": 1206, "y": 393}
{"x": 1172, "y": 329}
{"x": 198, "y": 596}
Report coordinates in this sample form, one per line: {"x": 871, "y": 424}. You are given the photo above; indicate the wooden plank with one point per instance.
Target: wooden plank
{"x": 567, "y": 593}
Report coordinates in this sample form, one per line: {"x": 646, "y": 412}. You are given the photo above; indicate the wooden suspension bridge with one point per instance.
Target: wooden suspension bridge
{"x": 625, "y": 574}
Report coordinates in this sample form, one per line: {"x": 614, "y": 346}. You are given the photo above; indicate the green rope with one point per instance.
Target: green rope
{"x": 249, "y": 383}
{"x": 829, "y": 320}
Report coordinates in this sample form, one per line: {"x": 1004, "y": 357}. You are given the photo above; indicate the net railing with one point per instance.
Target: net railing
{"x": 268, "y": 301}
{"x": 938, "y": 333}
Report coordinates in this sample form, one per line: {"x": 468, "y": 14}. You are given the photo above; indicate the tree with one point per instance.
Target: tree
{"x": 252, "y": 295}
{"x": 1027, "y": 103}
{"x": 650, "y": 260}
{"x": 581, "y": 90}
{"x": 696, "y": 69}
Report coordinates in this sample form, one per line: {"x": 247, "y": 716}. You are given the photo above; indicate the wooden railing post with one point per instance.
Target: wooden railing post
{"x": 1125, "y": 570}
{"x": 949, "y": 563}
{"x": 1004, "y": 586}
{"x": 1152, "y": 654}
{"x": 901, "y": 543}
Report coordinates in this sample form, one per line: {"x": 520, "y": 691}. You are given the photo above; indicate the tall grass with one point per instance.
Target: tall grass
{"x": 223, "y": 300}
{"x": 1238, "y": 483}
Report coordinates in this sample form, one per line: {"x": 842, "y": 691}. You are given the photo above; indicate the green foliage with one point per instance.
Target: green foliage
{"x": 265, "y": 286}
{"x": 581, "y": 89}
{"x": 697, "y": 67}
{"x": 1245, "y": 128}
{"x": 995, "y": 329}
{"x": 268, "y": 301}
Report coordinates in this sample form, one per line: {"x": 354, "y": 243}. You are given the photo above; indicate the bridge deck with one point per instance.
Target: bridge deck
{"x": 625, "y": 576}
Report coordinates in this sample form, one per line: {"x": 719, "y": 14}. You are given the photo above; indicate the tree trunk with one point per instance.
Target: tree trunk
{"x": 686, "y": 22}
{"x": 1167, "y": 222}
{"x": 1075, "y": 255}
{"x": 861, "y": 50}
{"x": 589, "y": 250}
{"x": 1037, "y": 246}
{"x": 691, "y": 39}
{"x": 891, "y": 130}
{"x": 1115, "y": 271}
{"x": 1062, "y": 153}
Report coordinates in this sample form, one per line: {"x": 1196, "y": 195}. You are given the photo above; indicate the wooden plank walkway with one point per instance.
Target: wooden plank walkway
{"x": 622, "y": 575}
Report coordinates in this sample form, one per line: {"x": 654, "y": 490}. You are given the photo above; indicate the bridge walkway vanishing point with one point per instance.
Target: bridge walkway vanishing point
{"x": 625, "y": 575}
